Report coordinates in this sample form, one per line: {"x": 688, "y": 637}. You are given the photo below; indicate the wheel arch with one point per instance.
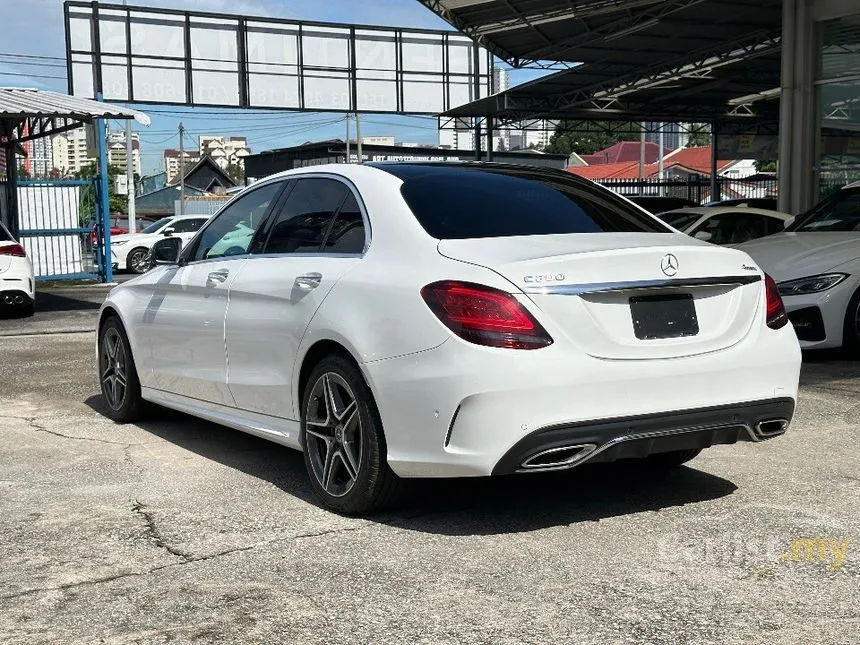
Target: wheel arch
{"x": 313, "y": 355}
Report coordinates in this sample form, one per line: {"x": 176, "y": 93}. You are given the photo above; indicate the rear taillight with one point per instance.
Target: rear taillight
{"x": 13, "y": 249}
{"x": 776, "y": 316}
{"x": 484, "y": 316}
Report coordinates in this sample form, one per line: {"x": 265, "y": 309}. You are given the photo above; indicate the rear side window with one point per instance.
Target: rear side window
{"x": 454, "y": 202}
{"x": 304, "y": 220}
{"x": 5, "y": 236}
{"x": 347, "y": 232}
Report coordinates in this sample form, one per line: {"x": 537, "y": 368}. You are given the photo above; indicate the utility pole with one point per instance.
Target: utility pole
{"x": 347, "y": 137}
{"x": 129, "y": 173}
{"x": 660, "y": 165}
{"x": 358, "y": 137}
{"x": 642, "y": 158}
{"x": 181, "y": 169}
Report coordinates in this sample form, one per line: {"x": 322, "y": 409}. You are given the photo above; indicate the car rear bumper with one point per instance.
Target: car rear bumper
{"x": 567, "y": 446}
{"x": 460, "y": 410}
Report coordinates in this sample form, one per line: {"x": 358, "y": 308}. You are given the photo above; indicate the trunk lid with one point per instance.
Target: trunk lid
{"x": 609, "y": 292}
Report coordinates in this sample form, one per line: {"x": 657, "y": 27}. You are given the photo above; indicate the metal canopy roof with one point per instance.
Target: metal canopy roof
{"x": 698, "y": 60}
{"x": 524, "y": 32}
{"x": 30, "y": 114}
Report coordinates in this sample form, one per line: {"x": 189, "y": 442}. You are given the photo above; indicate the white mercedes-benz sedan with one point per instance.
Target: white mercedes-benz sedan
{"x": 415, "y": 319}
{"x": 816, "y": 263}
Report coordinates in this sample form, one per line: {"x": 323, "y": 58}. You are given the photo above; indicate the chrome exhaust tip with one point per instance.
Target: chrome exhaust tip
{"x": 558, "y": 458}
{"x": 771, "y": 427}
{"x": 19, "y": 300}
{"x": 8, "y": 299}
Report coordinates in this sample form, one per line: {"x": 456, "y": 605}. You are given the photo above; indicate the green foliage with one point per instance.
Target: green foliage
{"x": 700, "y": 135}
{"x": 587, "y": 138}
{"x": 765, "y": 165}
{"x": 118, "y": 203}
{"x": 235, "y": 172}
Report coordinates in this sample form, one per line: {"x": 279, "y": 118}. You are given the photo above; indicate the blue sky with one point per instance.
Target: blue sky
{"x": 34, "y": 28}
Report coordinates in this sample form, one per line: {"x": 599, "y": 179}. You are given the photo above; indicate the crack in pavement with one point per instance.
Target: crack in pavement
{"x": 36, "y": 425}
{"x": 154, "y": 534}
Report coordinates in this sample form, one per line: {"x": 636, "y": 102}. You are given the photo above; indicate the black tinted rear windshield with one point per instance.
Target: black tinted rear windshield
{"x": 453, "y": 201}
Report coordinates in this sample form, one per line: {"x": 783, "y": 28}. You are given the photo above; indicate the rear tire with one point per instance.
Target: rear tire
{"x": 344, "y": 446}
{"x": 118, "y": 374}
{"x": 851, "y": 329}
{"x": 666, "y": 460}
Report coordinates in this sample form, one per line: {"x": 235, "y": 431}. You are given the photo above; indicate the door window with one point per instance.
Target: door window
{"x": 188, "y": 225}
{"x": 303, "y": 221}
{"x": 231, "y": 232}
{"x": 734, "y": 229}
{"x": 347, "y": 232}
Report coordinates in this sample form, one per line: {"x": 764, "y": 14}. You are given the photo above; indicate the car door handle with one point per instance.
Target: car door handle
{"x": 308, "y": 281}
{"x": 218, "y": 276}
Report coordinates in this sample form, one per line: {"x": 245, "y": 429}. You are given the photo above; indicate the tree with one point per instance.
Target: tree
{"x": 235, "y": 172}
{"x": 118, "y": 203}
{"x": 699, "y": 135}
{"x": 588, "y": 137}
{"x": 765, "y": 165}
{"x": 22, "y": 172}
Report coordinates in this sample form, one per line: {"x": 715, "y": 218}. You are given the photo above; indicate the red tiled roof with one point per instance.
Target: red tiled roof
{"x": 606, "y": 170}
{"x": 690, "y": 160}
{"x": 625, "y": 151}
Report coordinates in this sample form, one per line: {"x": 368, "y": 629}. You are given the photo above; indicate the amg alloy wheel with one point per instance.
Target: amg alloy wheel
{"x": 117, "y": 373}
{"x": 342, "y": 437}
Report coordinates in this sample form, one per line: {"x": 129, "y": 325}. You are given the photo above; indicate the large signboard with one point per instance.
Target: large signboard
{"x": 145, "y": 55}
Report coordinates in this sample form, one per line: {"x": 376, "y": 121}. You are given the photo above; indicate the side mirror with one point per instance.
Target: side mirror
{"x": 703, "y": 235}
{"x": 166, "y": 251}
{"x": 168, "y": 231}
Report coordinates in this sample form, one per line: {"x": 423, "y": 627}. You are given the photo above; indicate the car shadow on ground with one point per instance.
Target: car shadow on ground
{"x": 479, "y": 506}
{"x": 831, "y": 366}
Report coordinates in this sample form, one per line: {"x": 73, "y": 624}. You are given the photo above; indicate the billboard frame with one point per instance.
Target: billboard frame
{"x": 478, "y": 78}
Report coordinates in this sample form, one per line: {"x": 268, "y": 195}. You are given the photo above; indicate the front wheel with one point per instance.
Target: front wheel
{"x": 138, "y": 260}
{"x": 344, "y": 446}
{"x": 118, "y": 374}
{"x": 851, "y": 330}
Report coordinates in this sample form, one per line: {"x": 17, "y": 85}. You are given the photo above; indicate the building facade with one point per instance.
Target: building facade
{"x": 172, "y": 163}
{"x": 225, "y": 151}
{"x": 72, "y": 151}
{"x": 117, "y": 150}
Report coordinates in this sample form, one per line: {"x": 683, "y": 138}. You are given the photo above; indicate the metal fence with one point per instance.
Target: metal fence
{"x": 57, "y": 228}
{"x": 696, "y": 188}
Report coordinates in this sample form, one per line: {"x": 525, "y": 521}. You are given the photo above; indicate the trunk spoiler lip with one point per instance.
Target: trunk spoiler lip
{"x": 639, "y": 285}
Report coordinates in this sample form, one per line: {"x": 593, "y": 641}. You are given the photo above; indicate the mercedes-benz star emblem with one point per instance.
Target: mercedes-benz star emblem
{"x": 669, "y": 264}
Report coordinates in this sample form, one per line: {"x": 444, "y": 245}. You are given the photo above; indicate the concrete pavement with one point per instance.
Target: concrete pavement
{"x": 177, "y": 530}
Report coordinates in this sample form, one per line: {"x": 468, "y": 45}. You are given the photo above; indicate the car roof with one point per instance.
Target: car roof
{"x": 729, "y": 210}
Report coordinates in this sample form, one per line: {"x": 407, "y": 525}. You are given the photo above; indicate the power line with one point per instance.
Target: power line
{"x": 59, "y": 78}
{"x": 32, "y": 56}
{"x": 32, "y": 63}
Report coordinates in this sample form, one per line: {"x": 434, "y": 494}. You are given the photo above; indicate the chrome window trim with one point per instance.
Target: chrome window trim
{"x": 637, "y": 285}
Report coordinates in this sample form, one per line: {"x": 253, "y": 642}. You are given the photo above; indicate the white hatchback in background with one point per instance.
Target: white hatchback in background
{"x": 451, "y": 320}
{"x": 130, "y": 252}
{"x": 726, "y": 224}
{"x": 17, "y": 283}
{"x": 816, "y": 264}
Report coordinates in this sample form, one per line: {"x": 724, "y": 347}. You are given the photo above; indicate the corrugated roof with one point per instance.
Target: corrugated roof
{"x": 22, "y": 103}
{"x": 691, "y": 160}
